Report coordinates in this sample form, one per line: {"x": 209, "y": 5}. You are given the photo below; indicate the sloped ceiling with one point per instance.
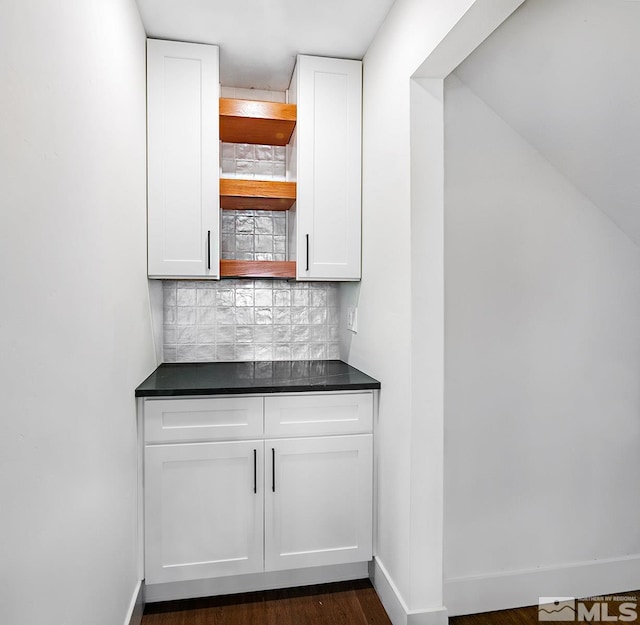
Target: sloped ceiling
{"x": 565, "y": 74}
{"x": 259, "y": 39}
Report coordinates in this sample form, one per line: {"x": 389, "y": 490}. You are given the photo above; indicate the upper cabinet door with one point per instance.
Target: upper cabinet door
{"x": 183, "y": 154}
{"x": 328, "y": 142}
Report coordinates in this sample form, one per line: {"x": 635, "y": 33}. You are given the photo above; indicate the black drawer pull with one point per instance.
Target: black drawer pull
{"x": 307, "y": 238}
{"x": 273, "y": 469}
{"x": 255, "y": 471}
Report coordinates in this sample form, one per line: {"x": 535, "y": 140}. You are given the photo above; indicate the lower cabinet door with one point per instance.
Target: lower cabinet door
{"x": 203, "y": 510}
{"x": 318, "y": 501}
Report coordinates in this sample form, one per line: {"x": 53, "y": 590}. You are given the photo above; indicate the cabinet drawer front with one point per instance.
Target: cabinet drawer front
{"x": 180, "y": 420}
{"x": 310, "y": 415}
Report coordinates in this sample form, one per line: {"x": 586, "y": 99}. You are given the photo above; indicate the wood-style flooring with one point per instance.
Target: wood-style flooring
{"x": 344, "y": 603}
{"x": 529, "y": 615}
{"x": 519, "y": 616}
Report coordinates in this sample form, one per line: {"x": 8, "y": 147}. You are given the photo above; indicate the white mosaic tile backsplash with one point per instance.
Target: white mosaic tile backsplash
{"x": 254, "y": 235}
{"x": 253, "y": 162}
{"x": 250, "y": 320}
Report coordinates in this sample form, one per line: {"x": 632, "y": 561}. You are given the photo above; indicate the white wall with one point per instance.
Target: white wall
{"x": 563, "y": 74}
{"x": 409, "y": 552}
{"x": 542, "y": 375}
{"x": 75, "y": 333}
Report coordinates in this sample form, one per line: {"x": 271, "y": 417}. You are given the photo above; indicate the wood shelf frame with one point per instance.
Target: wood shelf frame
{"x": 254, "y": 121}
{"x": 257, "y": 269}
{"x": 270, "y": 195}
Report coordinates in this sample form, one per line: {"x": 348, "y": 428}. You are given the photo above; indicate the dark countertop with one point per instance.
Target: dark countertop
{"x": 281, "y": 376}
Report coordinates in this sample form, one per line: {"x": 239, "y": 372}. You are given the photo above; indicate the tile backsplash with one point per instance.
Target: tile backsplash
{"x": 254, "y": 235}
{"x": 250, "y": 320}
{"x": 245, "y": 319}
{"x": 253, "y": 162}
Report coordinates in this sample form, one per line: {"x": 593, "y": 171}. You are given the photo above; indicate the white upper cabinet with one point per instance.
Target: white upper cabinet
{"x": 327, "y": 148}
{"x": 183, "y": 154}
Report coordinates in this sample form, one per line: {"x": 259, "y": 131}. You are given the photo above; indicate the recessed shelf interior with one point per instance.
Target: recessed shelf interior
{"x": 263, "y": 123}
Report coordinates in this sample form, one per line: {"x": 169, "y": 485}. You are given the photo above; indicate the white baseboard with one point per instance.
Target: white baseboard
{"x": 394, "y": 604}
{"x": 136, "y": 607}
{"x": 486, "y": 593}
{"x": 254, "y": 582}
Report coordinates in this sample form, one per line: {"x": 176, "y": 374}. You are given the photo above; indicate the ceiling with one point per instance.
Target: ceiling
{"x": 259, "y": 39}
{"x": 564, "y": 75}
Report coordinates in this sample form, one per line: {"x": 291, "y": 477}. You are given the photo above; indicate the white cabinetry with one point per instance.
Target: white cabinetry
{"x": 307, "y": 414}
{"x": 183, "y": 154}
{"x": 203, "y": 419}
{"x": 327, "y": 147}
{"x": 296, "y": 493}
{"x": 183, "y": 164}
{"x": 318, "y": 501}
{"x": 203, "y": 510}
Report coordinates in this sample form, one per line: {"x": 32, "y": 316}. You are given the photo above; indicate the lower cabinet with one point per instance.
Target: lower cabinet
{"x": 230, "y": 507}
{"x": 203, "y": 510}
{"x": 318, "y": 507}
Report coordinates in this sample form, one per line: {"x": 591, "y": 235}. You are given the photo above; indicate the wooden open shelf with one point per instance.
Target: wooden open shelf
{"x": 257, "y": 269}
{"x": 265, "y": 123}
{"x": 270, "y": 195}
{"x": 252, "y": 121}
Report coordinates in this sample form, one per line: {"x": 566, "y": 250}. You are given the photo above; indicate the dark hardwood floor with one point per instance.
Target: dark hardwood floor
{"x": 344, "y": 603}
{"x": 529, "y": 615}
{"x": 519, "y": 616}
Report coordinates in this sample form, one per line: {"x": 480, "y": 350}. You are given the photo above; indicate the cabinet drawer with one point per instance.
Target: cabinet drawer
{"x": 212, "y": 418}
{"x": 311, "y": 415}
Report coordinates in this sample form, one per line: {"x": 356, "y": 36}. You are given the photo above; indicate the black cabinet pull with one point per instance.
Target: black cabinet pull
{"x": 273, "y": 469}
{"x": 255, "y": 471}
{"x": 307, "y": 238}
{"x": 208, "y": 249}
